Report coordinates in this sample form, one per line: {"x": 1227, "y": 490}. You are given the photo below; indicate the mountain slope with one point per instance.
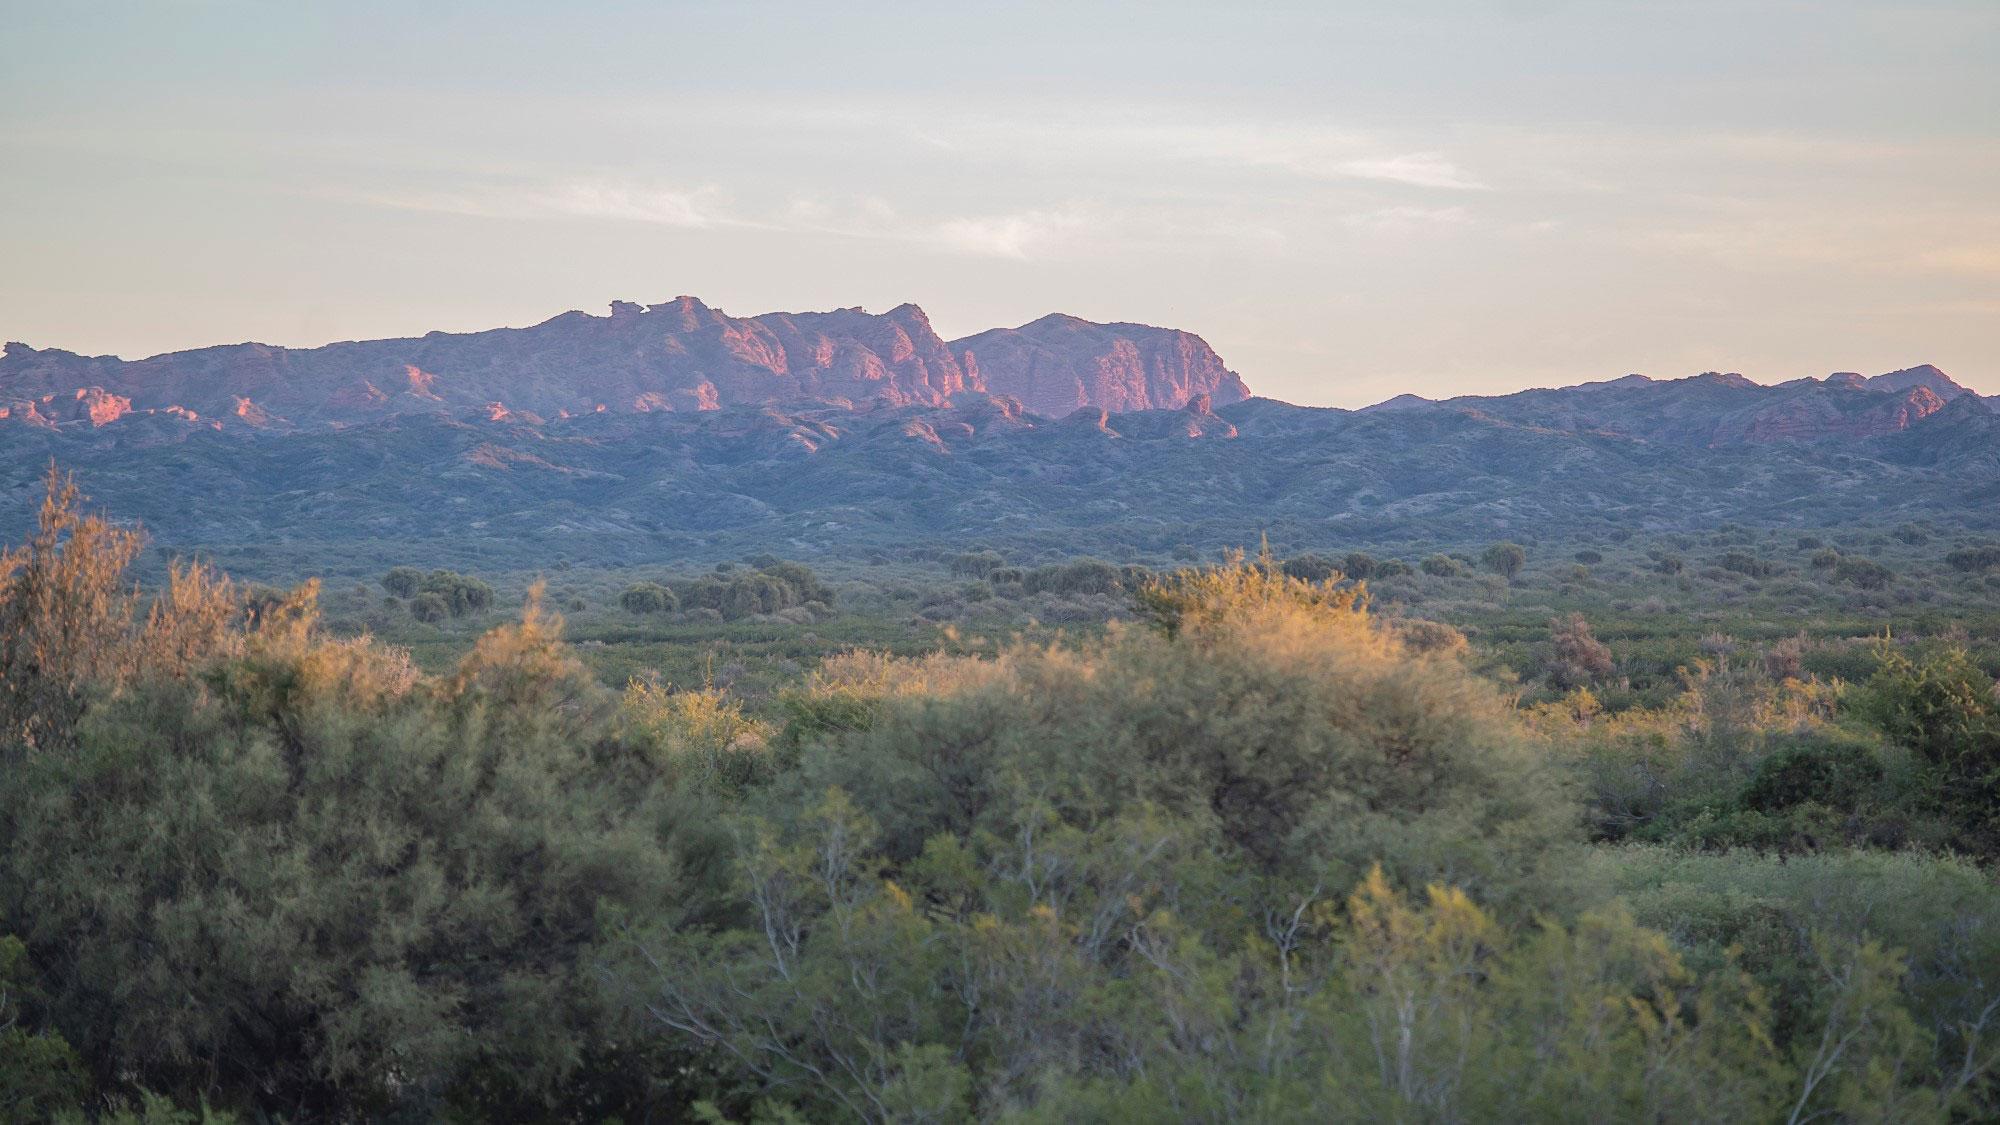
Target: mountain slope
{"x": 1716, "y": 409}
{"x": 829, "y": 480}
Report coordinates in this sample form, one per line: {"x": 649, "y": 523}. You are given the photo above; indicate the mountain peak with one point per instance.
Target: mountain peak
{"x": 1404, "y": 401}
{"x": 1922, "y": 375}
{"x": 1726, "y": 379}
{"x": 1061, "y": 363}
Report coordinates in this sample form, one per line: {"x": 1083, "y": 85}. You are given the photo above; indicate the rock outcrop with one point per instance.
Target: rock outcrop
{"x": 681, "y": 355}
{"x": 1060, "y": 364}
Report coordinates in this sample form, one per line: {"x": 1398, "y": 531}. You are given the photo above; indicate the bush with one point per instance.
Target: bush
{"x": 1277, "y": 707}
{"x": 1083, "y": 576}
{"x": 1505, "y": 559}
{"x": 1312, "y": 568}
{"x": 1442, "y": 566}
{"x": 805, "y": 585}
{"x": 1428, "y": 637}
{"x": 976, "y": 564}
{"x": 253, "y": 861}
{"x": 1972, "y": 559}
{"x": 1741, "y": 562}
{"x": 430, "y": 607}
{"x": 40, "y": 1074}
{"x": 1779, "y": 916}
{"x": 1941, "y": 706}
{"x": 1835, "y": 772}
{"x": 771, "y": 589}
{"x": 648, "y": 597}
{"x": 1865, "y": 573}
{"x": 319, "y": 871}
{"x": 758, "y": 593}
{"x": 1589, "y": 558}
{"x": 403, "y": 581}
{"x": 1579, "y": 658}
{"x": 460, "y": 594}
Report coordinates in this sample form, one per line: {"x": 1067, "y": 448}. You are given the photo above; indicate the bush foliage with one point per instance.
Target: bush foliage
{"x": 1254, "y": 852}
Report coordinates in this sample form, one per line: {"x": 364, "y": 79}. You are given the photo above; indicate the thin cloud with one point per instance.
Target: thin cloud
{"x": 634, "y": 204}
{"x": 1407, "y": 220}
{"x": 1018, "y": 236}
{"x": 1417, "y": 169}
{"x": 1980, "y": 261}
{"x": 577, "y": 199}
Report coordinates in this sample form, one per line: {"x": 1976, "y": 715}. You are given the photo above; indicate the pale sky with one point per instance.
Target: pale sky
{"x": 1348, "y": 200}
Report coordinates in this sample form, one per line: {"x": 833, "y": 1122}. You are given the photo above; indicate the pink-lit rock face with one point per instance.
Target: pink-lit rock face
{"x": 102, "y": 407}
{"x": 1059, "y": 364}
{"x": 681, "y": 355}
{"x": 421, "y": 382}
{"x": 1818, "y": 418}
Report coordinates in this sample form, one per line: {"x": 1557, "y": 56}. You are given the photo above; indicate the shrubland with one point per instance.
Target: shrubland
{"x": 1251, "y": 840}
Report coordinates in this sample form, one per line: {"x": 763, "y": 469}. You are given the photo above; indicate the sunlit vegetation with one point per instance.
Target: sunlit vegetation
{"x": 1505, "y": 834}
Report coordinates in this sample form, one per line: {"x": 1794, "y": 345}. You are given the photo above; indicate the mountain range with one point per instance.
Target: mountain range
{"x": 676, "y": 431}
{"x": 678, "y": 356}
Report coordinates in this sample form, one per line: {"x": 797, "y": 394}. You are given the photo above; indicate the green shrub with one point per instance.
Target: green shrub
{"x": 1983, "y": 557}
{"x": 40, "y": 1074}
{"x": 461, "y": 594}
{"x": 976, "y": 564}
{"x": 1834, "y": 771}
{"x": 1865, "y": 573}
{"x": 1313, "y": 568}
{"x": 1505, "y": 559}
{"x": 1743, "y": 563}
{"x": 294, "y": 871}
{"x": 1941, "y": 706}
{"x": 1442, "y": 566}
{"x": 1275, "y": 706}
{"x": 430, "y": 607}
{"x": 1083, "y": 576}
{"x": 648, "y": 597}
{"x": 403, "y": 581}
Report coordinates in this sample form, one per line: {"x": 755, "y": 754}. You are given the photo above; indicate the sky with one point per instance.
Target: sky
{"x": 1348, "y": 200}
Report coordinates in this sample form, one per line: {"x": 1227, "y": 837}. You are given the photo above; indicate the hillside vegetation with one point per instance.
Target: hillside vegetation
{"x": 1248, "y": 850}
